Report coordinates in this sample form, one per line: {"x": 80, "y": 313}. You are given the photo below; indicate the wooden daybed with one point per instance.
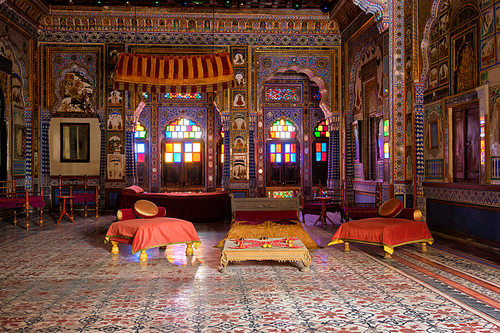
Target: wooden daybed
{"x": 267, "y": 217}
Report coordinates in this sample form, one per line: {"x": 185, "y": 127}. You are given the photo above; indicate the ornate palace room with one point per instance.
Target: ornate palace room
{"x": 250, "y": 166}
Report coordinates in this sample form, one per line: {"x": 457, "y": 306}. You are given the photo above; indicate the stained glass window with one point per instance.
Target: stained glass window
{"x": 386, "y": 149}
{"x": 181, "y": 148}
{"x": 282, "y": 129}
{"x": 182, "y": 96}
{"x": 321, "y": 151}
{"x": 386, "y": 127}
{"x": 140, "y": 147}
{"x": 283, "y": 152}
{"x": 282, "y": 94}
{"x": 183, "y": 129}
{"x": 321, "y": 131}
{"x": 140, "y": 131}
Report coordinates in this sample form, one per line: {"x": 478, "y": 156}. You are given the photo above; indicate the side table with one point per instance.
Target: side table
{"x": 64, "y": 212}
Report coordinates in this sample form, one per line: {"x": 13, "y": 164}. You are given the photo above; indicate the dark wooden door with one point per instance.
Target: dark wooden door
{"x": 466, "y": 145}
{"x": 472, "y": 144}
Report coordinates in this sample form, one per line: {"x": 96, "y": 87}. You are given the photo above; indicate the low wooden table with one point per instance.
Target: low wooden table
{"x": 252, "y": 249}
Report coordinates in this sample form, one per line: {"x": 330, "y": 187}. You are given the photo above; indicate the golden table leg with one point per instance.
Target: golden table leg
{"x": 189, "y": 249}
{"x": 114, "y": 250}
{"x": 143, "y": 256}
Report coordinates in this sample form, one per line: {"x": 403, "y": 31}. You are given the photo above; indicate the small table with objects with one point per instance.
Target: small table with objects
{"x": 278, "y": 249}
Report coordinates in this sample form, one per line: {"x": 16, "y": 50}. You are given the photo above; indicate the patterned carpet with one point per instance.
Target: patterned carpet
{"x": 64, "y": 279}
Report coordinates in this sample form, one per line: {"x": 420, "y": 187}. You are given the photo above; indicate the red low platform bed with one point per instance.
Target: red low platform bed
{"x": 144, "y": 234}
{"x": 387, "y": 232}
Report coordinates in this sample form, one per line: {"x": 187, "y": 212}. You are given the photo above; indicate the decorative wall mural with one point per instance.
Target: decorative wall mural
{"x": 239, "y": 101}
{"x": 239, "y": 124}
{"x": 116, "y": 166}
{"x": 115, "y": 98}
{"x": 238, "y": 59}
{"x": 76, "y": 92}
{"x": 239, "y": 145}
{"x": 115, "y": 121}
{"x": 239, "y": 170}
{"x": 115, "y": 142}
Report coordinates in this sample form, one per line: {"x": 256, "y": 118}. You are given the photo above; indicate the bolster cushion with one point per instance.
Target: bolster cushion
{"x": 390, "y": 208}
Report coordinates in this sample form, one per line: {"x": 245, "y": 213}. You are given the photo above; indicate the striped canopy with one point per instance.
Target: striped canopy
{"x": 174, "y": 74}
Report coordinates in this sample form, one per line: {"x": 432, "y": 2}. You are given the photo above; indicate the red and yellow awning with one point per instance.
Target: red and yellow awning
{"x": 174, "y": 74}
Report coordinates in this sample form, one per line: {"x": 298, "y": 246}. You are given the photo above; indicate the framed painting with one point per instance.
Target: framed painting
{"x": 75, "y": 142}
{"x": 443, "y": 73}
{"x": 487, "y": 52}
{"x": 487, "y": 23}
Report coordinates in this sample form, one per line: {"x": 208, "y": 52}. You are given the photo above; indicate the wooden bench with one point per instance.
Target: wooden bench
{"x": 15, "y": 197}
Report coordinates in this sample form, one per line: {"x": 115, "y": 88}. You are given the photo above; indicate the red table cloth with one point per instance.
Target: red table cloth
{"x": 144, "y": 234}
{"x": 388, "y": 232}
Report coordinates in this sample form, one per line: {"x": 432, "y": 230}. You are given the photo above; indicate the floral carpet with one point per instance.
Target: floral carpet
{"x": 64, "y": 279}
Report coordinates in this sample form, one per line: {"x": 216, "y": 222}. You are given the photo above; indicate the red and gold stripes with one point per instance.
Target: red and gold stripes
{"x": 174, "y": 74}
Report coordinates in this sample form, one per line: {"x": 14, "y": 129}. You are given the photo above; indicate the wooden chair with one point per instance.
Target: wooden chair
{"x": 14, "y": 197}
{"x": 315, "y": 206}
{"x": 356, "y": 211}
{"x": 80, "y": 195}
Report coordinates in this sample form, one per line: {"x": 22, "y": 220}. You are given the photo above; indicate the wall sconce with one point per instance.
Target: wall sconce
{"x": 228, "y": 3}
{"x": 241, "y": 4}
{"x": 185, "y": 3}
{"x": 325, "y": 6}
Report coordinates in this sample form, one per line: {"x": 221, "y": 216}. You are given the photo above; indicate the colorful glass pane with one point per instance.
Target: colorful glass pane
{"x": 139, "y": 158}
{"x": 196, "y": 157}
{"x": 188, "y": 157}
{"x": 177, "y": 157}
{"x": 140, "y": 148}
{"x": 321, "y": 130}
{"x": 182, "y": 128}
{"x": 386, "y": 127}
{"x": 282, "y": 94}
{"x": 169, "y": 157}
{"x": 283, "y": 129}
{"x": 182, "y": 96}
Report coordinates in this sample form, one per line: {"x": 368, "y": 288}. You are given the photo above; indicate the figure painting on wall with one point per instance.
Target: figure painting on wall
{"x": 115, "y": 144}
{"x": 443, "y": 73}
{"x": 239, "y": 145}
{"x": 240, "y": 79}
{"x": 488, "y": 52}
{"x": 239, "y": 123}
{"x": 114, "y": 54}
{"x": 239, "y": 101}
{"x": 17, "y": 101}
{"x": 238, "y": 59}
{"x": 239, "y": 168}
{"x": 115, "y": 121}
{"x": 115, "y": 166}
{"x": 487, "y": 23}
{"x": 76, "y": 91}
{"x": 115, "y": 98}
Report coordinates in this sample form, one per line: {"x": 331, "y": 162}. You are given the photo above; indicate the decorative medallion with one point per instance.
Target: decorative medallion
{"x": 266, "y": 63}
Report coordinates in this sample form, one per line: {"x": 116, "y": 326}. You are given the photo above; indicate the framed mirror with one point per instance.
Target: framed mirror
{"x": 75, "y": 142}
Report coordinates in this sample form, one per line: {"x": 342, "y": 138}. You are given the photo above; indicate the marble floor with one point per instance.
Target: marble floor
{"x": 63, "y": 278}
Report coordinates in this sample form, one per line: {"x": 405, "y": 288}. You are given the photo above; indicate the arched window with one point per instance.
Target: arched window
{"x": 283, "y": 154}
{"x": 320, "y": 151}
{"x": 183, "y": 153}
{"x": 141, "y": 156}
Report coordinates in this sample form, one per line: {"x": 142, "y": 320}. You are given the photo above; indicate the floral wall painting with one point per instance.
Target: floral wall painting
{"x": 239, "y": 145}
{"x": 115, "y": 143}
{"x": 115, "y": 121}
{"x": 487, "y": 23}
{"x": 239, "y": 171}
{"x": 238, "y": 59}
{"x": 488, "y": 52}
{"x": 76, "y": 90}
{"x": 239, "y": 101}
{"x": 239, "y": 124}
{"x": 19, "y": 142}
{"x": 115, "y": 166}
